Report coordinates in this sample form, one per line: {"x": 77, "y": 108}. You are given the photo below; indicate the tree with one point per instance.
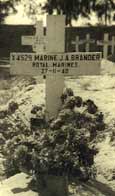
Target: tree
{"x": 72, "y": 9}
{"x": 7, "y": 7}
{"x": 75, "y": 8}
{"x": 105, "y": 10}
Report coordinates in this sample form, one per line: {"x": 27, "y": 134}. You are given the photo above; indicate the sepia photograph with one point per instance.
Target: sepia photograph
{"x": 57, "y": 97}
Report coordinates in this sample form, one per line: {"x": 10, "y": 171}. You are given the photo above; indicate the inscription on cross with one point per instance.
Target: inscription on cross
{"x": 86, "y": 41}
{"x": 55, "y": 63}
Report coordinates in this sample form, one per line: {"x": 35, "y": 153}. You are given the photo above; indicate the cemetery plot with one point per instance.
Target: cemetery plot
{"x": 63, "y": 63}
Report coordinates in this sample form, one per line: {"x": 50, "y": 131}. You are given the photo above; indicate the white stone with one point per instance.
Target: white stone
{"x": 22, "y": 64}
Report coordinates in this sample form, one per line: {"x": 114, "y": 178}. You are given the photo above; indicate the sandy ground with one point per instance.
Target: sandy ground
{"x": 16, "y": 185}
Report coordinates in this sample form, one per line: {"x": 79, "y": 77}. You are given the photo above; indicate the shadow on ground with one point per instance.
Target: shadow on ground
{"x": 97, "y": 188}
{"x": 93, "y": 187}
{"x": 30, "y": 186}
{"x": 20, "y": 190}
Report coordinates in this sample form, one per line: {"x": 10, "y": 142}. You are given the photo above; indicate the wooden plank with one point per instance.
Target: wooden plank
{"x": 55, "y": 34}
{"x": 67, "y": 63}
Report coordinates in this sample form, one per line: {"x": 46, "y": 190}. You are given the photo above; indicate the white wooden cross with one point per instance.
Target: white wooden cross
{"x": 105, "y": 43}
{"x": 55, "y": 36}
{"x": 27, "y": 63}
{"x": 55, "y": 64}
{"x": 38, "y": 40}
{"x": 113, "y": 45}
{"x": 77, "y": 42}
{"x": 86, "y": 41}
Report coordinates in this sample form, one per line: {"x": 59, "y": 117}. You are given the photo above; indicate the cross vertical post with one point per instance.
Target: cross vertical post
{"x": 105, "y": 43}
{"x": 113, "y": 44}
{"x": 55, "y": 82}
{"x": 76, "y": 43}
{"x": 88, "y": 41}
{"x": 39, "y": 39}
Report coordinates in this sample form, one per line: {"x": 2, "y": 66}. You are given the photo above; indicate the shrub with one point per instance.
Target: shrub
{"x": 64, "y": 146}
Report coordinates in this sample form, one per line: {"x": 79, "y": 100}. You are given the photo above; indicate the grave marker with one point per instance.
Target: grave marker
{"x": 55, "y": 43}
{"x": 38, "y": 40}
{"x": 55, "y": 36}
{"x": 86, "y": 41}
{"x": 77, "y": 42}
{"x": 113, "y": 44}
{"x": 55, "y": 64}
{"x": 105, "y": 43}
